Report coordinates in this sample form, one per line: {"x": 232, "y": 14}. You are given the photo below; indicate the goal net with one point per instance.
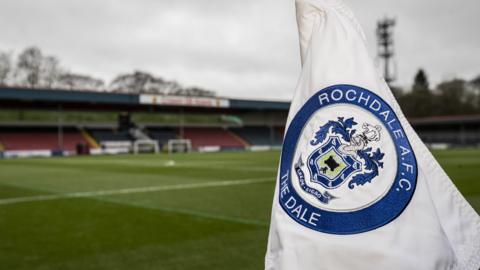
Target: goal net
{"x": 145, "y": 146}
{"x": 179, "y": 146}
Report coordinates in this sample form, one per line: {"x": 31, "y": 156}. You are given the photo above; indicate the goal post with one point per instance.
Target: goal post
{"x": 145, "y": 146}
{"x": 179, "y": 146}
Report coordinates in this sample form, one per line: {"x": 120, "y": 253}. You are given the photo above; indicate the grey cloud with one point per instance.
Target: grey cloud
{"x": 238, "y": 48}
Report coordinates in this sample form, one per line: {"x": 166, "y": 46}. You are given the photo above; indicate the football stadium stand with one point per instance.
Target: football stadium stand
{"x": 449, "y": 130}
{"x": 162, "y": 135}
{"x": 66, "y": 122}
{"x": 106, "y": 135}
{"x": 210, "y": 137}
{"x": 40, "y": 139}
{"x": 259, "y": 135}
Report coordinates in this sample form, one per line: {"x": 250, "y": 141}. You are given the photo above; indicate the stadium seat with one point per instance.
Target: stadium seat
{"x": 260, "y": 135}
{"x": 102, "y": 135}
{"x": 162, "y": 135}
{"x": 31, "y": 139}
{"x": 201, "y": 137}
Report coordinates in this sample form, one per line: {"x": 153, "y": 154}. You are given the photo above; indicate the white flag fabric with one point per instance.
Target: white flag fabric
{"x": 357, "y": 188}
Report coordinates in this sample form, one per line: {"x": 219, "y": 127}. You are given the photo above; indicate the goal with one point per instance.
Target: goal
{"x": 179, "y": 146}
{"x": 145, "y": 146}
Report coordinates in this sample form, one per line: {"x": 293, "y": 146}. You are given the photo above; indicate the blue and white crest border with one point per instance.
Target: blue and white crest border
{"x": 374, "y": 216}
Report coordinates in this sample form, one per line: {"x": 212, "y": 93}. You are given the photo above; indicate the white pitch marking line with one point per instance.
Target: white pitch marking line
{"x": 97, "y": 193}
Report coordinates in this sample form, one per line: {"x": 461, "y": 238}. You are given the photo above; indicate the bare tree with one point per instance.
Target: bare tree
{"x": 138, "y": 82}
{"x": 74, "y": 81}
{"x": 171, "y": 88}
{"x": 194, "y": 91}
{"x": 135, "y": 82}
{"x": 5, "y": 67}
{"x": 50, "y": 71}
{"x": 29, "y": 66}
{"x": 143, "y": 82}
{"x": 35, "y": 69}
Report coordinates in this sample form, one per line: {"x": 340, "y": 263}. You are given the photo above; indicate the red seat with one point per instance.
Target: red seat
{"x": 212, "y": 137}
{"x": 42, "y": 140}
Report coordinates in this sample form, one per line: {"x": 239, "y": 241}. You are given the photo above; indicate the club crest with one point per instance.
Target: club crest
{"x": 347, "y": 166}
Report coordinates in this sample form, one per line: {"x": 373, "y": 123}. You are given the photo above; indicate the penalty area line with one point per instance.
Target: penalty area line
{"x": 99, "y": 193}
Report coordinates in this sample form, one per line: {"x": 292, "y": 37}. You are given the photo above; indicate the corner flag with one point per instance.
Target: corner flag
{"x": 356, "y": 187}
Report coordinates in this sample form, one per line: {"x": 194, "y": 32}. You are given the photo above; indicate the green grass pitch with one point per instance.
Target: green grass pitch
{"x": 195, "y": 211}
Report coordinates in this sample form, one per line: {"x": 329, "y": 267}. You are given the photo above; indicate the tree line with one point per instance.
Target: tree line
{"x": 450, "y": 97}
{"x": 33, "y": 69}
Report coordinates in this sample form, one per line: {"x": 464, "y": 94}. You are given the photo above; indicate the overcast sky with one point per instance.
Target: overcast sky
{"x": 245, "y": 48}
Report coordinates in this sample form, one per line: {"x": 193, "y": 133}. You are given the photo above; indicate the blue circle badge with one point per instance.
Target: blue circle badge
{"x": 347, "y": 166}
